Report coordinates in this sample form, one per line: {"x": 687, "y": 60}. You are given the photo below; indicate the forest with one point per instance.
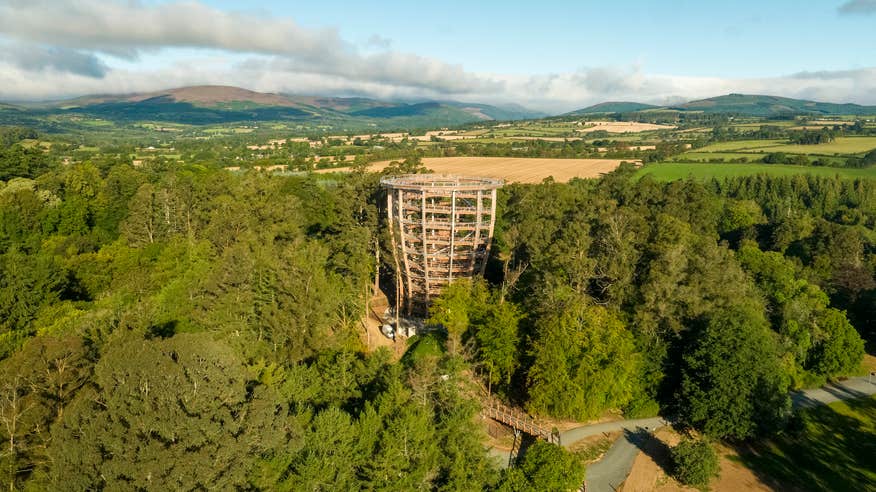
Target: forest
{"x": 183, "y": 327}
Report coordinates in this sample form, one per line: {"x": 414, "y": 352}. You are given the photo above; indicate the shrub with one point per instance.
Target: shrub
{"x": 775, "y": 158}
{"x": 694, "y": 462}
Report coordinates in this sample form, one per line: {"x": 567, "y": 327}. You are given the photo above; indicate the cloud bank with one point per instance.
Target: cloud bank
{"x": 127, "y": 29}
{"x": 858, "y": 7}
{"x": 92, "y": 46}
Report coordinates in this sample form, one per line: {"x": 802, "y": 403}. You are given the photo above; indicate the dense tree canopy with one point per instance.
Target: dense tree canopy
{"x": 177, "y": 326}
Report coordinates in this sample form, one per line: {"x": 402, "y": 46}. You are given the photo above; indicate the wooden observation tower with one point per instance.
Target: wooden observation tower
{"x": 441, "y": 228}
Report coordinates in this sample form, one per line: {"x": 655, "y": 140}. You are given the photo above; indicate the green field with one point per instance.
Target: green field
{"x": 754, "y": 157}
{"x": 534, "y": 129}
{"x": 827, "y": 448}
{"x": 739, "y": 145}
{"x": 842, "y": 145}
{"x": 671, "y": 171}
{"x": 706, "y": 156}
{"x": 758, "y": 124}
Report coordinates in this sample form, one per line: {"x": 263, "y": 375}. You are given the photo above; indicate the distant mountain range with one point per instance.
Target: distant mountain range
{"x": 210, "y": 104}
{"x": 203, "y": 105}
{"x": 742, "y": 104}
{"x": 613, "y": 107}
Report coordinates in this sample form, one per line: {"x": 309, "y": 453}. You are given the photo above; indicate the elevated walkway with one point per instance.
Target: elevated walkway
{"x": 518, "y": 421}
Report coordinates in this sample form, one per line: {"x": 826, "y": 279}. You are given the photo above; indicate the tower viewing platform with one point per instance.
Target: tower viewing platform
{"x": 441, "y": 228}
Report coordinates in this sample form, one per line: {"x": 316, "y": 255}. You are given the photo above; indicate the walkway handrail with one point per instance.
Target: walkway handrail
{"x": 519, "y": 421}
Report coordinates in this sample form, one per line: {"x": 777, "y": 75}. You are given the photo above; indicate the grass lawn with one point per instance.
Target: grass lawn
{"x": 532, "y": 131}
{"x": 740, "y": 145}
{"x": 842, "y": 145}
{"x": 620, "y": 137}
{"x": 96, "y": 122}
{"x": 671, "y": 171}
{"x": 752, "y": 157}
{"x": 705, "y": 156}
{"x": 30, "y": 143}
{"x": 826, "y": 448}
{"x": 427, "y": 345}
{"x": 484, "y": 140}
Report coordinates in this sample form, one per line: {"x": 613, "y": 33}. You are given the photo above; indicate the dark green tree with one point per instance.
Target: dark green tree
{"x": 175, "y": 413}
{"x": 732, "y": 382}
{"x": 544, "y": 467}
{"x": 584, "y": 359}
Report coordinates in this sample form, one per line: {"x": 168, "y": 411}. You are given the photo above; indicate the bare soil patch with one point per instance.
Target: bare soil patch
{"x": 649, "y": 472}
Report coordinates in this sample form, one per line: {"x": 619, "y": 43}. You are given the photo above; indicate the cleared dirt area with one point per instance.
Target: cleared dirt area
{"x": 622, "y": 127}
{"x": 649, "y": 469}
{"x": 512, "y": 169}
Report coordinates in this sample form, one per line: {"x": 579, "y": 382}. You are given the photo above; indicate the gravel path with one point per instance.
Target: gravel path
{"x": 607, "y": 474}
{"x": 572, "y": 436}
{"x": 844, "y": 390}
{"x": 611, "y": 471}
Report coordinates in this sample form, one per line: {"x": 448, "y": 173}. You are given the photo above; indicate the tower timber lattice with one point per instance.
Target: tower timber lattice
{"x": 441, "y": 228}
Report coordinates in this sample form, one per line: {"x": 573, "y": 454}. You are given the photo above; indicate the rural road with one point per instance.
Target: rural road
{"x": 572, "y": 436}
{"x": 844, "y": 390}
{"x": 609, "y": 472}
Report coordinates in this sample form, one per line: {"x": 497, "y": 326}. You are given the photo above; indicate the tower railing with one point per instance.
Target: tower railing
{"x": 441, "y": 228}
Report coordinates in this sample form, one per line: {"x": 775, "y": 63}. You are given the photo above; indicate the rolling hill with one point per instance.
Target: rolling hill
{"x": 211, "y": 104}
{"x": 755, "y": 105}
{"x": 9, "y": 107}
{"x": 742, "y": 104}
{"x": 612, "y": 107}
{"x": 204, "y": 95}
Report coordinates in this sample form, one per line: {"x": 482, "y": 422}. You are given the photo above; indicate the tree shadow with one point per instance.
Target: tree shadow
{"x": 800, "y": 400}
{"x": 821, "y": 449}
{"x": 652, "y": 447}
{"x": 162, "y": 330}
{"x": 844, "y": 393}
{"x": 522, "y": 442}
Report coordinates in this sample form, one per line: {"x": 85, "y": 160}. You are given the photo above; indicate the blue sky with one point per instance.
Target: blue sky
{"x": 741, "y": 38}
{"x": 552, "y": 55}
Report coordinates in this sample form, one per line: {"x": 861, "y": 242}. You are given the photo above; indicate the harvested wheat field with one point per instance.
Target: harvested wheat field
{"x": 512, "y": 169}
{"x": 548, "y": 139}
{"x": 622, "y": 127}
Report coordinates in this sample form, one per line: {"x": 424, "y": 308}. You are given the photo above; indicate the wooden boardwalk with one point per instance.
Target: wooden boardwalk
{"x": 518, "y": 421}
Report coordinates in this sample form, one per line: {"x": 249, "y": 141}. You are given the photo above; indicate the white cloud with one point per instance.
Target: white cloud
{"x": 126, "y": 29}
{"x": 62, "y": 55}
